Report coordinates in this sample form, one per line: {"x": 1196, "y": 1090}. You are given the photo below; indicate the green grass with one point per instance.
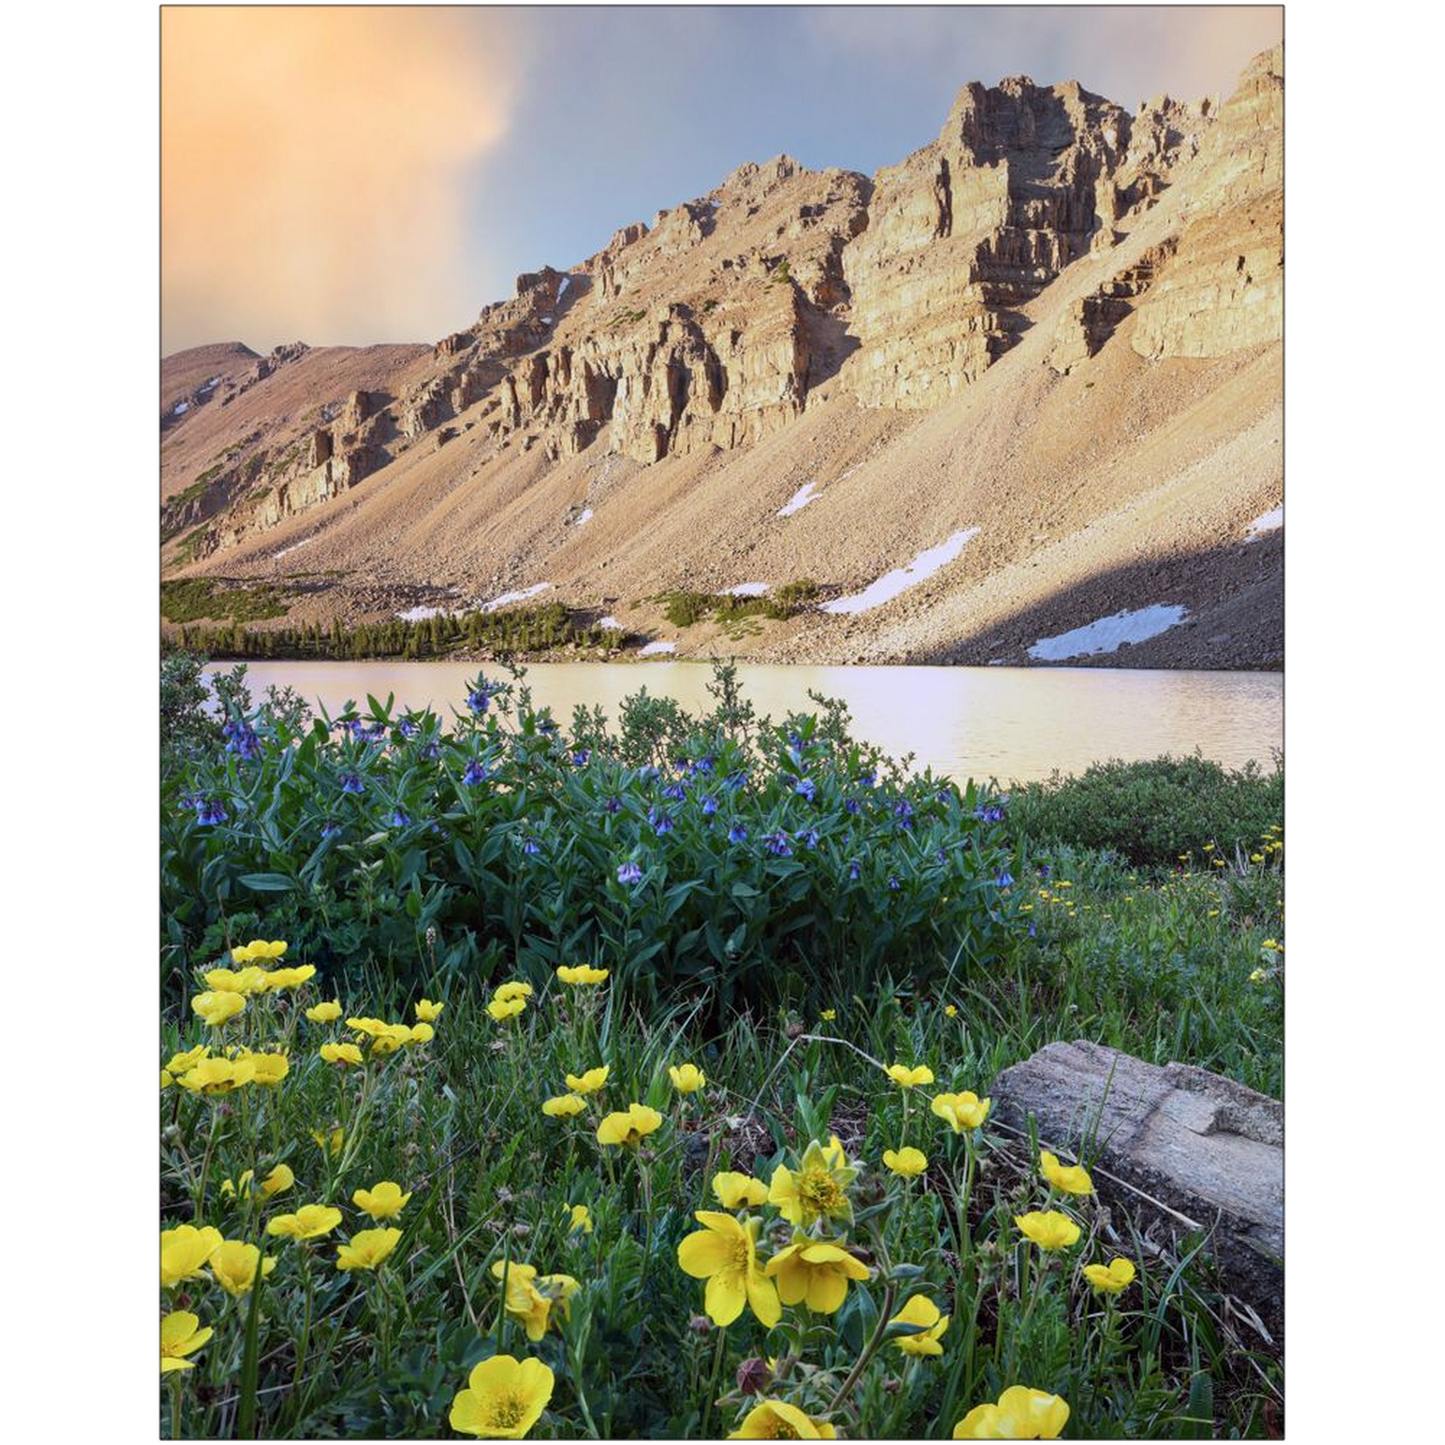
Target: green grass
{"x": 190, "y": 599}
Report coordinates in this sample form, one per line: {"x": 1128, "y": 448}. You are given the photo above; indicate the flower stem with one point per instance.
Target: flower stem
{"x": 869, "y": 1350}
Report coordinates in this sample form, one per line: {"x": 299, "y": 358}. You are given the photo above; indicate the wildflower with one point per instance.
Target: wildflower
{"x": 504, "y": 1398}
{"x": 818, "y": 1189}
{"x": 778, "y": 1420}
{"x": 1073, "y": 1179}
{"x": 341, "y": 1053}
{"x": 278, "y": 1181}
{"x": 688, "y": 1079}
{"x": 185, "y": 1251}
{"x": 736, "y": 1190}
{"x": 280, "y": 978}
{"x": 166, "y": 1080}
{"x": 530, "y": 1297}
{"x": 1273, "y": 946}
{"x": 590, "y": 1082}
{"x": 579, "y": 1218}
{"x": 564, "y": 1106}
{"x": 931, "y": 1326}
{"x": 181, "y": 1335}
{"x": 1005, "y": 879}
{"x": 1259, "y": 975}
{"x": 737, "y": 834}
{"x": 382, "y": 1201}
{"x": 630, "y": 1127}
{"x": 629, "y": 873}
{"x": 950, "y": 1010}
{"x": 1048, "y": 1228}
{"x": 241, "y": 1186}
{"x": 183, "y": 1063}
{"x": 268, "y": 1068}
{"x": 474, "y": 774}
{"x": 661, "y": 821}
{"x": 778, "y": 844}
{"x": 330, "y": 1143}
{"x": 234, "y": 1265}
{"x": 367, "y": 1249}
{"x": 709, "y": 805}
{"x": 530, "y": 846}
{"x": 244, "y": 981}
{"x": 907, "y": 1163}
{"x": 828, "y": 1015}
{"x": 815, "y": 1274}
{"x": 217, "y": 1007}
{"x": 515, "y": 988}
{"x": 311, "y": 1221}
{"x": 961, "y": 1111}
{"x": 502, "y": 1009}
{"x": 1021, "y": 1414}
{"x": 479, "y": 699}
{"x": 582, "y": 973}
{"x": 350, "y": 783}
{"x": 324, "y": 1013}
{"x": 1111, "y": 1278}
{"x": 427, "y": 1011}
{"x": 724, "y": 1252}
{"x": 907, "y": 1078}
{"x": 210, "y": 812}
{"x": 217, "y": 1076}
{"x": 806, "y": 788}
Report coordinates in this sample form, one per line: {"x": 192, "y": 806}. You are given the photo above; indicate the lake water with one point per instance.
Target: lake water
{"x": 1003, "y": 722}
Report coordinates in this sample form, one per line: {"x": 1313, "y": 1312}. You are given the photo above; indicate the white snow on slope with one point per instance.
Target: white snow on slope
{"x": 748, "y": 589}
{"x": 653, "y": 648}
{"x": 180, "y": 408}
{"x": 520, "y": 595}
{"x": 276, "y": 556}
{"x": 562, "y": 287}
{"x": 1271, "y": 521}
{"x": 422, "y": 614}
{"x": 799, "y": 500}
{"x": 1108, "y": 634}
{"x": 887, "y": 587}
{"x": 610, "y": 621}
{"x": 584, "y": 517}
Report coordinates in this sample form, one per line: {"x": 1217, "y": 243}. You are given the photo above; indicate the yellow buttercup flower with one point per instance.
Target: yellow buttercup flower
{"x": 724, "y": 1253}
{"x": 817, "y": 1189}
{"x": 907, "y": 1078}
{"x": 166, "y": 1080}
{"x": 530, "y": 1297}
{"x": 389, "y": 1041}
{"x": 950, "y": 1010}
{"x": 1048, "y": 1228}
{"x": 907, "y": 1163}
{"x": 258, "y": 949}
{"x": 1021, "y": 1414}
{"x": 324, "y": 1013}
{"x": 183, "y": 1063}
{"x": 515, "y": 989}
{"x": 268, "y": 1068}
{"x": 734, "y": 1191}
{"x": 564, "y": 1106}
{"x": 1070, "y": 1179}
{"x": 504, "y": 1009}
{"x": 930, "y": 1326}
{"x": 372, "y": 1028}
{"x": 628, "y": 1127}
{"x": 242, "y": 1186}
{"x": 961, "y": 1111}
{"x": 588, "y": 1083}
{"x": 341, "y": 1053}
{"x": 579, "y": 1218}
{"x": 1259, "y": 975}
{"x": 185, "y": 1251}
{"x": 1111, "y": 1278}
{"x": 422, "y": 1033}
{"x": 778, "y": 1420}
{"x": 688, "y": 1079}
{"x": 218, "y": 1006}
{"x": 384, "y": 1201}
{"x": 181, "y": 1335}
{"x": 828, "y": 1015}
{"x": 367, "y": 1249}
{"x": 582, "y": 973}
{"x": 243, "y": 981}
{"x": 815, "y": 1274}
{"x": 218, "y": 1076}
{"x": 428, "y": 1012}
{"x": 234, "y": 1266}
{"x": 504, "y": 1398}
{"x": 278, "y": 1181}
{"x": 311, "y": 1221}
{"x": 330, "y": 1143}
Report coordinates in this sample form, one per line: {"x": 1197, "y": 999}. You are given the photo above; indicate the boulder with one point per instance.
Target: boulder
{"x": 1166, "y": 1142}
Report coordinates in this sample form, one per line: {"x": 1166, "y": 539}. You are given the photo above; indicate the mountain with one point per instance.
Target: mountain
{"x": 1023, "y": 381}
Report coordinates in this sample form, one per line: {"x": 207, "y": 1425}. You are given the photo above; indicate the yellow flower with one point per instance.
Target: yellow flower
{"x": 931, "y": 1326}
{"x": 218, "y": 1076}
{"x": 564, "y": 1106}
{"x": 384, "y": 1201}
{"x": 1068, "y": 1179}
{"x": 185, "y": 1251}
{"x": 1021, "y": 1414}
{"x": 582, "y": 973}
{"x": 515, "y": 989}
{"x": 817, "y": 1189}
{"x": 330, "y": 1143}
{"x": 828, "y": 1015}
{"x": 1111, "y": 1278}
{"x": 1048, "y": 1228}
{"x": 324, "y": 1013}
{"x": 530, "y": 1296}
{"x": 907, "y": 1163}
{"x": 961, "y": 1111}
{"x": 1258, "y": 976}
{"x": 428, "y": 1012}
{"x": 280, "y": 978}
{"x": 372, "y": 1028}
{"x": 688, "y": 1079}
{"x": 257, "y": 949}
{"x": 367, "y": 1248}
{"x": 815, "y": 1274}
{"x": 183, "y": 1063}
{"x": 734, "y": 1191}
{"x": 724, "y": 1253}
{"x": 629, "y": 1127}
{"x": 243, "y": 981}
{"x": 166, "y": 1080}
{"x": 278, "y": 1181}
{"x": 778, "y": 1420}
{"x": 579, "y": 1218}
{"x": 907, "y": 1078}
{"x": 311, "y": 1221}
{"x": 242, "y": 1186}
{"x": 950, "y": 1009}
{"x": 234, "y": 1266}
{"x": 422, "y": 1033}
{"x": 504, "y": 1009}
{"x": 504, "y": 1398}
{"x": 268, "y": 1068}
{"x": 217, "y": 1007}
{"x": 588, "y": 1083}
{"x": 390, "y": 1040}
{"x": 341, "y": 1053}
{"x": 181, "y": 1335}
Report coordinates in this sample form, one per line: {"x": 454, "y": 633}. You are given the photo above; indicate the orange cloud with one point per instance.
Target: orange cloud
{"x": 312, "y": 166}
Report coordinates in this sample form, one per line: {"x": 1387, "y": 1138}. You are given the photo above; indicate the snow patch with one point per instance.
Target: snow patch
{"x": 887, "y": 587}
{"x": 610, "y": 621}
{"x": 423, "y": 614}
{"x": 1108, "y": 634}
{"x": 520, "y": 595}
{"x": 799, "y": 499}
{"x": 276, "y": 556}
{"x": 1271, "y": 521}
{"x": 748, "y": 589}
{"x": 546, "y": 321}
{"x": 210, "y": 385}
{"x": 180, "y": 408}
{"x": 584, "y": 517}
{"x": 653, "y": 648}
{"x": 562, "y": 287}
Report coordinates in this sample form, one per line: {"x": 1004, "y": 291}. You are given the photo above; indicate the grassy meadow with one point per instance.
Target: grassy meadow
{"x": 629, "y": 1077}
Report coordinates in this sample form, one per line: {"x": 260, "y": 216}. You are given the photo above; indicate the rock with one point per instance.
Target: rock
{"x": 1193, "y": 1141}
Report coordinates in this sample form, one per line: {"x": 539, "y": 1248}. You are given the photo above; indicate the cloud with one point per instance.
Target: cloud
{"x": 313, "y": 166}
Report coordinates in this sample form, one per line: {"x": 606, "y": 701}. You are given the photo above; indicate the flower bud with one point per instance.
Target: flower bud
{"x": 753, "y": 1375}
{"x": 700, "y": 1325}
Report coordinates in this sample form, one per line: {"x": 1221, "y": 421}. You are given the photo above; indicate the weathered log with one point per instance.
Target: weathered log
{"x": 1176, "y": 1141}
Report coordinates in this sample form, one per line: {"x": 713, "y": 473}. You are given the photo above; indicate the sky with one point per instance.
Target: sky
{"x": 352, "y": 175}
